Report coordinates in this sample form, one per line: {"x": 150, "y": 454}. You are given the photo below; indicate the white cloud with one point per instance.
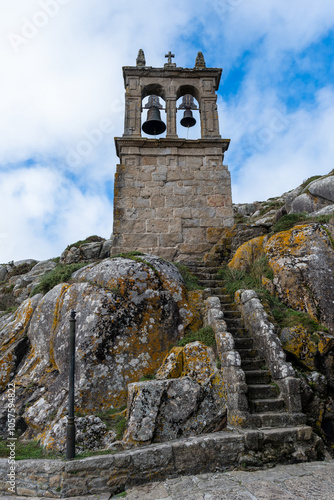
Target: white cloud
{"x": 302, "y": 148}
{"x": 59, "y": 87}
{"x": 42, "y": 212}
{"x": 279, "y": 25}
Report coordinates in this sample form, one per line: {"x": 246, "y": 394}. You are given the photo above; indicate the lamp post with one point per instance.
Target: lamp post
{"x": 70, "y": 442}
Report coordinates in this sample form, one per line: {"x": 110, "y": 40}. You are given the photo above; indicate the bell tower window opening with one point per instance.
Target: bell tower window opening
{"x": 188, "y": 117}
{"x": 153, "y": 116}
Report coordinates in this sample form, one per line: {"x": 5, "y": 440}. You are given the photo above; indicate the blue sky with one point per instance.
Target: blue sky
{"x": 62, "y": 88}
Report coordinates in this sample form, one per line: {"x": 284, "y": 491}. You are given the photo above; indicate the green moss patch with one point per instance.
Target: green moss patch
{"x": 189, "y": 279}
{"x": 25, "y": 450}
{"x": 60, "y": 274}
{"x": 252, "y": 279}
{"x": 90, "y": 239}
{"x": 205, "y": 335}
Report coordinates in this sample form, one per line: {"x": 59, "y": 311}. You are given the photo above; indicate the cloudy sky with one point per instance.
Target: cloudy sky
{"x": 61, "y": 102}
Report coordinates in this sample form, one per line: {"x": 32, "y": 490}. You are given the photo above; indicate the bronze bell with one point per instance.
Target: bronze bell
{"x": 153, "y": 125}
{"x": 188, "y": 104}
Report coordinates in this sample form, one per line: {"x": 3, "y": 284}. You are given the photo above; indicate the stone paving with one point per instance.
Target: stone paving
{"x": 307, "y": 481}
{"x": 310, "y": 481}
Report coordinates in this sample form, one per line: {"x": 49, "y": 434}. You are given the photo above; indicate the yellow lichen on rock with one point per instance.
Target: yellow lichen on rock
{"x": 268, "y": 285}
{"x": 248, "y": 253}
{"x": 297, "y": 342}
{"x": 307, "y": 348}
{"x": 172, "y": 365}
{"x": 195, "y": 360}
{"x": 198, "y": 361}
{"x": 196, "y": 305}
{"x": 301, "y": 259}
{"x": 13, "y": 334}
{"x": 325, "y": 342}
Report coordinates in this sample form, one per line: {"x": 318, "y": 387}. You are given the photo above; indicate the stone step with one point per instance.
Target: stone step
{"x": 234, "y": 323}
{"x": 225, "y": 299}
{"x": 212, "y": 283}
{"x": 248, "y": 353}
{"x": 201, "y": 268}
{"x": 262, "y": 391}
{"x": 231, "y": 314}
{"x": 267, "y": 405}
{"x": 257, "y": 377}
{"x": 218, "y": 290}
{"x": 277, "y": 419}
{"x": 243, "y": 343}
{"x": 252, "y": 364}
{"x": 230, "y": 307}
{"x": 238, "y": 332}
{"x": 205, "y": 276}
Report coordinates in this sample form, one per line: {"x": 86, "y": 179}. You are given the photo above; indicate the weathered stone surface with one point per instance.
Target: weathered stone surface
{"x": 128, "y": 314}
{"x": 247, "y": 209}
{"x": 3, "y": 272}
{"x": 247, "y": 253}
{"x": 323, "y": 187}
{"x": 183, "y": 201}
{"x": 267, "y": 220}
{"x": 23, "y": 284}
{"x": 231, "y": 239}
{"x": 213, "y": 310}
{"x": 270, "y": 348}
{"x": 312, "y": 197}
{"x": 14, "y": 343}
{"x": 99, "y": 248}
{"x": 42, "y": 267}
{"x": 162, "y": 410}
{"x": 305, "y": 203}
{"x": 263, "y": 332}
{"x": 70, "y": 256}
{"x": 172, "y": 366}
{"x": 90, "y": 251}
{"x": 290, "y": 196}
{"x": 90, "y": 434}
{"x": 302, "y": 260}
{"x": 105, "y": 249}
{"x": 329, "y": 210}
{"x": 296, "y": 341}
{"x": 232, "y": 375}
{"x": 194, "y": 455}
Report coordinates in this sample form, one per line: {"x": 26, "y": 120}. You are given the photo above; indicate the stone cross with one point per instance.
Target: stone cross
{"x": 169, "y": 55}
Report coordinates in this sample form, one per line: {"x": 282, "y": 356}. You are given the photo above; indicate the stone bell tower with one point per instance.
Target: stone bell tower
{"x": 172, "y": 196}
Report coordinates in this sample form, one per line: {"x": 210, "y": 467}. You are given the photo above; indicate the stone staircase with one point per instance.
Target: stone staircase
{"x": 267, "y": 409}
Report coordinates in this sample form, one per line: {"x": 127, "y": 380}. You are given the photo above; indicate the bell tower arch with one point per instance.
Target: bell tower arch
{"x": 172, "y": 196}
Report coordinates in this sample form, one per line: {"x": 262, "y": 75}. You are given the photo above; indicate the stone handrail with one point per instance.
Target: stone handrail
{"x": 233, "y": 375}
{"x": 270, "y": 347}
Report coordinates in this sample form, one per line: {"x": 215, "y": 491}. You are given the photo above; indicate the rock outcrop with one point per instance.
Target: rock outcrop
{"x": 313, "y": 197}
{"x": 129, "y": 313}
{"x": 169, "y": 408}
{"x": 95, "y": 249}
{"x": 302, "y": 260}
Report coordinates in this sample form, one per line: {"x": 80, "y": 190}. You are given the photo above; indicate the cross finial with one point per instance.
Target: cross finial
{"x": 169, "y": 62}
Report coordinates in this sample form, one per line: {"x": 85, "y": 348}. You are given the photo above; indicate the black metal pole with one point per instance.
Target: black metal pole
{"x": 70, "y": 443}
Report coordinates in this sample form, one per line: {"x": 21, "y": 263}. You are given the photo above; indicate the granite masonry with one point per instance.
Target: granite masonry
{"x": 172, "y": 196}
